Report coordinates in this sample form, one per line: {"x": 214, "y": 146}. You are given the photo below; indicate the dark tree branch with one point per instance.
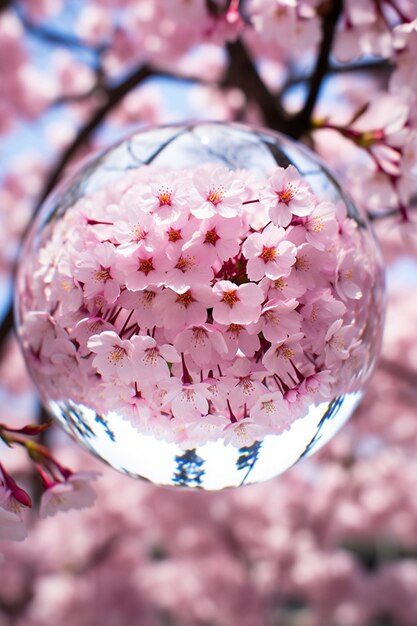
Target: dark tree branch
{"x": 215, "y": 9}
{"x": 398, "y": 370}
{"x": 54, "y": 37}
{"x": 5, "y": 327}
{"x": 114, "y": 95}
{"x": 6, "y": 4}
{"x": 241, "y": 73}
{"x": 379, "y": 65}
{"x": 100, "y": 88}
{"x": 331, "y": 12}
{"x": 384, "y": 215}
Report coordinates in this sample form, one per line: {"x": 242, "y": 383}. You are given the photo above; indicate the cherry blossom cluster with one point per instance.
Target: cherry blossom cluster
{"x": 381, "y": 135}
{"x": 193, "y": 39}
{"x": 63, "y": 489}
{"x": 200, "y": 304}
{"x": 324, "y": 528}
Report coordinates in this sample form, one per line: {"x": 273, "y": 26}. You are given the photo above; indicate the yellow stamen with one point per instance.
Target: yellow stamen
{"x": 165, "y": 196}
{"x": 286, "y": 194}
{"x": 102, "y": 275}
{"x": 185, "y": 263}
{"x": 280, "y": 283}
{"x": 216, "y": 195}
{"x": 145, "y": 266}
{"x": 185, "y": 299}
{"x": 211, "y": 237}
{"x": 117, "y": 354}
{"x": 230, "y": 297}
{"x": 268, "y": 254}
{"x": 151, "y": 357}
{"x": 174, "y": 235}
{"x": 269, "y": 407}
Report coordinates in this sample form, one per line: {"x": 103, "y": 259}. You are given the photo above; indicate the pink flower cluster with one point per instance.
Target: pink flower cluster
{"x": 200, "y": 304}
{"x": 62, "y": 489}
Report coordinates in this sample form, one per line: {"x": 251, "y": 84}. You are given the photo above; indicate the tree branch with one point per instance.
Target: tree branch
{"x": 112, "y": 98}
{"x": 114, "y": 95}
{"x": 332, "y": 12}
{"x": 6, "y": 4}
{"x": 241, "y": 73}
{"x": 54, "y": 37}
{"x": 217, "y": 10}
{"x": 379, "y": 65}
{"x": 6, "y": 327}
{"x": 398, "y": 370}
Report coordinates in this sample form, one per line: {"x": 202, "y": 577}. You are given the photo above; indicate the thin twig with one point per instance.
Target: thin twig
{"x": 113, "y": 97}
{"x": 379, "y": 65}
{"x": 54, "y": 37}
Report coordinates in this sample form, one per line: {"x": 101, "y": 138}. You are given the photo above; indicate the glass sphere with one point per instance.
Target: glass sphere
{"x": 201, "y": 305}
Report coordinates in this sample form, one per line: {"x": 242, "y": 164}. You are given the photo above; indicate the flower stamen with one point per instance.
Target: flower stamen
{"x": 230, "y": 298}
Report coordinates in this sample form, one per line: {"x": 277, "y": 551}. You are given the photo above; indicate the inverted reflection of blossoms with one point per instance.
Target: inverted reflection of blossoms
{"x": 200, "y": 286}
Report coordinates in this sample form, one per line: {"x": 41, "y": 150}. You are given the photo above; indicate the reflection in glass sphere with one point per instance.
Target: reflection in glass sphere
{"x": 201, "y": 305}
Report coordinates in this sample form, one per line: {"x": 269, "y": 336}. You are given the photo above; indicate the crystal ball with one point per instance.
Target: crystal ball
{"x": 201, "y": 305}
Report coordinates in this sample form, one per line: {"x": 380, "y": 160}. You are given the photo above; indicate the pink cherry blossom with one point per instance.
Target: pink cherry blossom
{"x": 95, "y": 271}
{"x": 93, "y": 24}
{"x": 74, "y": 493}
{"x": 285, "y": 22}
{"x": 12, "y": 527}
{"x": 186, "y": 399}
{"x": 280, "y": 359}
{"x": 185, "y": 309}
{"x": 270, "y": 409}
{"x": 164, "y": 195}
{"x": 245, "y": 383}
{"x": 144, "y": 269}
{"x": 321, "y": 225}
{"x": 149, "y": 361}
{"x": 287, "y": 194}
{"x": 203, "y": 342}
{"x": 144, "y": 303}
{"x": 188, "y": 270}
{"x": 66, "y": 290}
{"x": 132, "y": 401}
{"x": 349, "y": 278}
{"x": 338, "y": 342}
{"x": 218, "y": 389}
{"x": 13, "y": 501}
{"x": 278, "y": 320}
{"x": 217, "y": 237}
{"x": 237, "y": 305}
{"x": 283, "y": 287}
{"x": 135, "y": 232}
{"x": 306, "y": 265}
{"x": 269, "y": 254}
{"x": 319, "y": 311}
{"x": 216, "y": 191}
{"x": 237, "y": 338}
{"x": 206, "y": 428}
{"x": 318, "y": 385}
{"x": 113, "y": 356}
{"x": 243, "y": 433}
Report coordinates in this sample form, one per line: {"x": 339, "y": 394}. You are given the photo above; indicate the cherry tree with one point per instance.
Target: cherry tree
{"x": 334, "y": 540}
